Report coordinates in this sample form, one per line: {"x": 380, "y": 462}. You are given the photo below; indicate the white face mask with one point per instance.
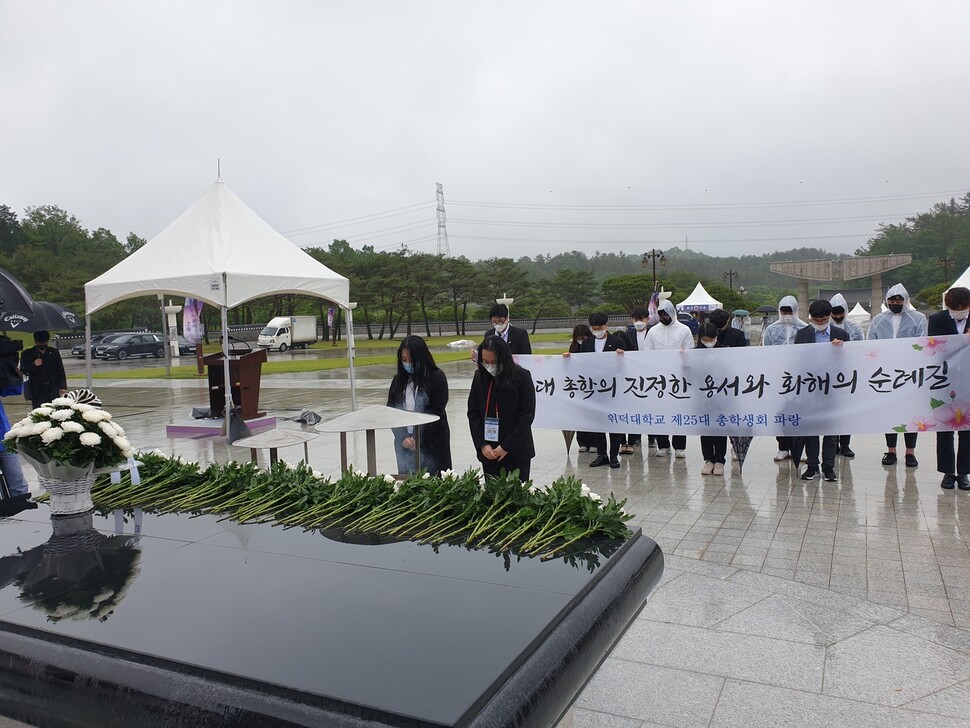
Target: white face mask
{"x": 709, "y": 344}
{"x": 787, "y": 318}
{"x": 639, "y": 325}
{"x": 819, "y": 327}
{"x": 958, "y": 315}
{"x": 599, "y": 333}
{"x": 500, "y": 328}
{"x": 491, "y": 368}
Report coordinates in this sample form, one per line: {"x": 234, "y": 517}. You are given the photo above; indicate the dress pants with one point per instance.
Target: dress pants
{"x": 908, "y": 437}
{"x": 785, "y": 443}
{"x": 680, "y": 441}
{"x": 615, "y": 441}
{"x": 945, "y": 460}
{"x": 810, "y": 446}
{"x": 713, "y": 448}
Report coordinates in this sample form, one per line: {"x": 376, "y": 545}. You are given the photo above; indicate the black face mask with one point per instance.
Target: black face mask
{"x": 665, "y": 320}
{"x": 896, "y": 307}
{"x": 838, "y": 319}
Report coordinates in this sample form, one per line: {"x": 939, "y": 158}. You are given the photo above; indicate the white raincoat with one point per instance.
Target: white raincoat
{"x": 675, "y": 336}
{"x": 848, "y": 325}
{"x": 906, "y": 324}
{"x": 779, "y": 332}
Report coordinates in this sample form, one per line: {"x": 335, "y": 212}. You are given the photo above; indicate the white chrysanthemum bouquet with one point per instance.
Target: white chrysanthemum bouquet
{"x": 66, "y": 439}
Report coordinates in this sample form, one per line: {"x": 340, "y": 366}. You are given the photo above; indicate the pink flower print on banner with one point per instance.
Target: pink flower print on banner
{"x": 931, "y": 345}
{"x": 872, "y": 355}
{"x": 921, "y": 424}
{"x": 953, "y": 416}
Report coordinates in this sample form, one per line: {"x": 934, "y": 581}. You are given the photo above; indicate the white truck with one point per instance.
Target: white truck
{"x": 288, "y": 332}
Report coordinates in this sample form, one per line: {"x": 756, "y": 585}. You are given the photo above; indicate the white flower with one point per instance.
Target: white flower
{"x": 81, "y": 407}
{"x": 449, "y": 473}
{"x": 39, "y": 427}
{"x": 11, "y": 434}
{"x": 397, "y": 485}
{"x": 62, "y": 402}
{"x": 425, "y": 476}
{"x": 593, "y": 497}
{"x": 54, "y": 433}
{"x": 108, "y": 429}
{"x": 318, "y": 474}
{"x": 90, "y": 439}
{"x": 118, "y": 428}
{"x": 72, "y": 427}
{"x": 94, "y": 415}
{"x": 43, "y": 411}
{"x": 62, "y": 414}
{"x": 584, "y": 489}
{"x": 122, "y": 444}
{"x": 388, "y": 478}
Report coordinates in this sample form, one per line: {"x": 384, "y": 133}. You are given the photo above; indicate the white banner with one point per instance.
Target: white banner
{"x": 862, "y": 387}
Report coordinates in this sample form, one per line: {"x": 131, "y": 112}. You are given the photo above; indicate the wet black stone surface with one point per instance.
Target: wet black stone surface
{"x": 395, "y": 629}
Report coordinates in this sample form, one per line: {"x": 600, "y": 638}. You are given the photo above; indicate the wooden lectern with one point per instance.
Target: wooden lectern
{"x": 244, "y": 374}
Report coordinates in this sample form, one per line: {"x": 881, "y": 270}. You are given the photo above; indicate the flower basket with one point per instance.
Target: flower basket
{"x": 65, "y": 441}
{"x": 68, "y": 497}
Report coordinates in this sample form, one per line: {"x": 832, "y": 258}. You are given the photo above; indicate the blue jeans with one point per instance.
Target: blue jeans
{"x": 13, "y": 473}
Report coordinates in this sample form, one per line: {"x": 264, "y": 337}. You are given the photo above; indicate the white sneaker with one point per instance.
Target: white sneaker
{"x": 680, "y": 453}
{"x": 718, "y": 469}
{"x": 708, "y": 468}
{"x": 782, "y": 455}
{"x": 662, "y": 452}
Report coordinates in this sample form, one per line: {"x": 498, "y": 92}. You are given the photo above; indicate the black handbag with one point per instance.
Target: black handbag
{"x": 27, "y": 390}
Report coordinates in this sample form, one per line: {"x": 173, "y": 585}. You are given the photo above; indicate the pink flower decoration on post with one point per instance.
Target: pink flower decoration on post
{"x": 954, "y": 416}
{"x": 921, "y": 424}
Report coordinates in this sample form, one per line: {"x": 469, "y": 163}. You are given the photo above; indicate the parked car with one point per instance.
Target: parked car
{"x": 185, "y": 348}
{"x": 121, "y": 346}
{"x": 689, "y": 321}
{"x": 78, "y": 349}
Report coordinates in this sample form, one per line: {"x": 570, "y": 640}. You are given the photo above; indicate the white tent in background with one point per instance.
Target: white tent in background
{"x": 859, "y": 314}
{"x": 223, "y": 253}
{"x": 961, "y": 282}
{"x": 698, "y": 300}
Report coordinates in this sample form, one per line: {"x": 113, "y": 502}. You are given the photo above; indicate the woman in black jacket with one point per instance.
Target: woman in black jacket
{"x": 420, "y": 386}
{"x": 713, "y": 447}
{"x": 501, "y": 408}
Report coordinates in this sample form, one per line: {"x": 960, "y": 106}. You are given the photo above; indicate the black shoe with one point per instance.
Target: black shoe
{"x": 599, "y": 461}
{"x": 846, "y": 453}
{"x": 889, "y": 458}
{"x": 949, "y": 482}
{"x": 829, "y": 475}
{"x": 810, "y": 474}
{"x": 614, "y": 463}
{"x": 911, "y": 461}
{"x": 962, "y": 483}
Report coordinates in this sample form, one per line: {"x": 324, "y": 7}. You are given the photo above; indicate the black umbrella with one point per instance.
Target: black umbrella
{"x": 45, "y": 316}
{"x": 13, "y": 296}
{"x": 766, "y": 309}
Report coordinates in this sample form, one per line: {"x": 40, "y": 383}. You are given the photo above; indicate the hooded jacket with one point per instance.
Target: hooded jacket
{"x": 671, "y": 337}
{"x": 907, "y": 323}
{"x": 848, "y": 325}
{"x": 780, "y": 332}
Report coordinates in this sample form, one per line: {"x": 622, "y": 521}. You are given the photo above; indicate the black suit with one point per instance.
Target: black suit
{"x": 516, "y": 409}
{"x": 46, "y": 380}
{"x": 435, "y": 436}
{"x": 942, "y": 324}
{"x": 613, "y": 342}
{"x": 516, "y": 338}
{"x": 731, "y": 337}
{"x": 810, "y": 445}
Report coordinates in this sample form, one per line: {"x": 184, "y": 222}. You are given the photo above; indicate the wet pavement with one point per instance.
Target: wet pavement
{"x": 784, "y": 602}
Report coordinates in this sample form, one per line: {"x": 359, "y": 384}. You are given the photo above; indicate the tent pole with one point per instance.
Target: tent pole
{"x": 350, "y": 355}
{"x": 168, "y": 359}
{"x": 87, "y": 351}
{"x": 224, "y": 314}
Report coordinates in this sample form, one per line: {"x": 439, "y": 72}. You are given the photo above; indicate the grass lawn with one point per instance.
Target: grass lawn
{"x": 336, "y": 357}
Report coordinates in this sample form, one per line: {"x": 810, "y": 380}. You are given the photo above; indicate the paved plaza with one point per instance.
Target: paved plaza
{"x": 784, "y": 602}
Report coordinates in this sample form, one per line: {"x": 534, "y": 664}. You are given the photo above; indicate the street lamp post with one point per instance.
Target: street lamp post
{"x": 651, "y": 258}
{"x": 945, "y": 262}
{"x": 730, "y": 276}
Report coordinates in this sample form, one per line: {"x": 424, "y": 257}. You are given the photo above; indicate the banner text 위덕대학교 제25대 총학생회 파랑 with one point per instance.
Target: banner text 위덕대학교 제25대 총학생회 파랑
{"x": 861, "y": 387}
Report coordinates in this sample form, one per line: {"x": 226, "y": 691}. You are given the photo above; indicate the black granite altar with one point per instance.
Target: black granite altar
{"x": 202, "y": 621}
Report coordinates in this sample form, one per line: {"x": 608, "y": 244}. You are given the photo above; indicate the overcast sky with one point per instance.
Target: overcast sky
{"x": 552, "y": 125}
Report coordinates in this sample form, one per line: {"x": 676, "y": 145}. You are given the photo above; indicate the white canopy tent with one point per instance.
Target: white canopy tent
{"x": 961, "y": 282}
{"x": 223, "y": 253}
{"x": 859, "y": 314}
{"x": 698, "y": 300}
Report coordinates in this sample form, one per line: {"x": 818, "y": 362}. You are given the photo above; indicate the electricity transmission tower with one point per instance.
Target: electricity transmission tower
{"x": 443, "y": 247}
